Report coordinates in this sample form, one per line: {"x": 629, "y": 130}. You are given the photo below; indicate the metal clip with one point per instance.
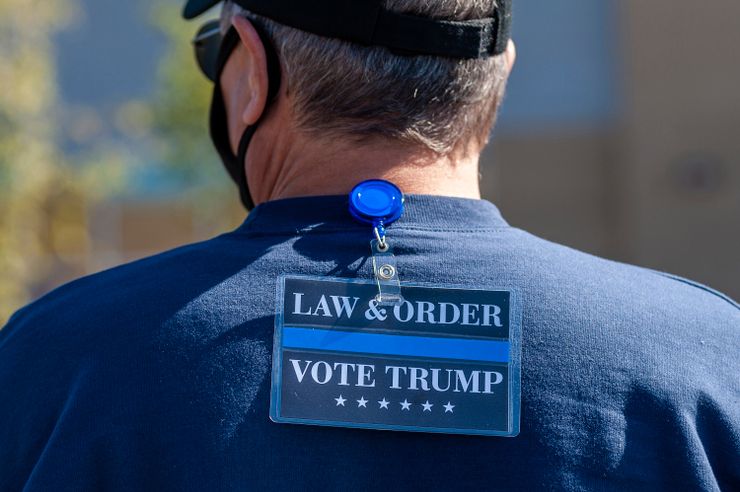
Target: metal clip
{"x": 386, "y": 273}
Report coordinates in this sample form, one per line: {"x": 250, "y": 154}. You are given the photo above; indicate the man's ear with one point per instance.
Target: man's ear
{"x": 254, "y": 66}
{"x": 510, "y": 55}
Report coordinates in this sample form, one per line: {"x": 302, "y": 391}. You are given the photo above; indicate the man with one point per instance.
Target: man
{"x": 160, "y": 375}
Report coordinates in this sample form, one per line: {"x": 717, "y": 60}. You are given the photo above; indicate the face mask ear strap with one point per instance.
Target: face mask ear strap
{"x": 274, "y": 74}
{"x": 241, "y": 159}
{"x": 235, "y": 164}
{"x": 218, "y": 119}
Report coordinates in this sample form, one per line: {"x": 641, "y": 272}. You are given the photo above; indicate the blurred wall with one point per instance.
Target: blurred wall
{"x": 659, "y": 184}
{"x": 681, "y": 206}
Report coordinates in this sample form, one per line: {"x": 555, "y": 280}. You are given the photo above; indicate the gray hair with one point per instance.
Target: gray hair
{"x": 346, "y": 90}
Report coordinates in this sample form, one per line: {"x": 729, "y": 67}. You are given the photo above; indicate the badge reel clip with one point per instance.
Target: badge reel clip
{"x": 380, "y": 203}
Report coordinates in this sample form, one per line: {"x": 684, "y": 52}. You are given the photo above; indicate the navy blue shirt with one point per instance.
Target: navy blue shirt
{"x": 155, "y": 375}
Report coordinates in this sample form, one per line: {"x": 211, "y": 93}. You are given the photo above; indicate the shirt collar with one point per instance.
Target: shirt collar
{"x": 330, "y": 212}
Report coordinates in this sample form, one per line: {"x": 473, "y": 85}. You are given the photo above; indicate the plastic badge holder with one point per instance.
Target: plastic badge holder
{"x": 386, "y": 275}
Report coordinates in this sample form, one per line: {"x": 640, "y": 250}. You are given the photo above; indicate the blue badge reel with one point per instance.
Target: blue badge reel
{"x": 376, "y": 202}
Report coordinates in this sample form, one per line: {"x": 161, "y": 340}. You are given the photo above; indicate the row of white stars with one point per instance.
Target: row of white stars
{"x": 405, "y": 404}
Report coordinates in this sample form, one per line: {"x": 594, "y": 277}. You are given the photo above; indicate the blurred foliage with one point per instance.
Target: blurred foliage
{"x": 44, "y": 199}
{"x": 180, "y": 111}
{"x": 182, "y": 100}
{"x": 41, "y": 202}
{"x": 47, "y": 197}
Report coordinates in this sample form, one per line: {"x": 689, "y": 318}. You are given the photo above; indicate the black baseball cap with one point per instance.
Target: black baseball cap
{"x": 193, "y": 8}
{"x": 366, "y": 22}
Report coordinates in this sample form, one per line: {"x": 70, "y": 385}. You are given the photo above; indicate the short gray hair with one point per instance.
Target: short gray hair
{"x": 346, "y": 90}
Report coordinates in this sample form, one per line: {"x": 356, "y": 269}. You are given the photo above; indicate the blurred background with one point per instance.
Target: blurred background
{"x": 619, "y": 136}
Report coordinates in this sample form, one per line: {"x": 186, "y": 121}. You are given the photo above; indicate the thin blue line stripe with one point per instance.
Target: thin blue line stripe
{"x": 375, "y": 343}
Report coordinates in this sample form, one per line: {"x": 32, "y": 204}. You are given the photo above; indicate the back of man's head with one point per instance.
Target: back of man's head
{"x": 345, "y": 90}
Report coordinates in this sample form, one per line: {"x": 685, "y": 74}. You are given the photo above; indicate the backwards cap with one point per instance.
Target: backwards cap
{"x": 366, "y": 22}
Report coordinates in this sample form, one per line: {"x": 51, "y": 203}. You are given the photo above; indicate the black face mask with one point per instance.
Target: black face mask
{"x": 219, "y": 127}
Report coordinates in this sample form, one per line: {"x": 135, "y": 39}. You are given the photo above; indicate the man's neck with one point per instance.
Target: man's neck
{"x": 283, "y": 163}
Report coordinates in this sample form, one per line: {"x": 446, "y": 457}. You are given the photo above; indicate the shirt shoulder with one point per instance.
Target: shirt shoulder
{"x": 654, "y": 322}
{"x": 116, "y": 345}
{"x": 135, "y": 296}
{"x": 580, "y": 271}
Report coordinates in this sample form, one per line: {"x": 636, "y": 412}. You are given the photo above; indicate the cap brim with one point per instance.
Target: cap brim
{"x": 193, "y": 8}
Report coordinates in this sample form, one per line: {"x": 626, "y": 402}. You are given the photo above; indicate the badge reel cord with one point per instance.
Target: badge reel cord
{"x": 379, "y": 203}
